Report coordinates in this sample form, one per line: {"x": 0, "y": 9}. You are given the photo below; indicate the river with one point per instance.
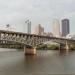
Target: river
{"x": 13, "y": 62}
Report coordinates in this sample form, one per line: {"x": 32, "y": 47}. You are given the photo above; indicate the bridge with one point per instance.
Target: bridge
{"x": 32, "y": 40}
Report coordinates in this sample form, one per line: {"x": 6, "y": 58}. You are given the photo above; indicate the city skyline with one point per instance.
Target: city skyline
{"x": 38, "y": 11}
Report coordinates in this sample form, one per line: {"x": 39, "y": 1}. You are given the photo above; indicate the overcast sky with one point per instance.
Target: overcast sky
{"x": 15, "y": 12}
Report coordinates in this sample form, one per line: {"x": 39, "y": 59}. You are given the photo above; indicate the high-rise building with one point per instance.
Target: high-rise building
{"x": 65, "y": 27}
{"x": 56, "y": 28}
{"x": 39, "y": 30}
{"x": 28, "y": 26}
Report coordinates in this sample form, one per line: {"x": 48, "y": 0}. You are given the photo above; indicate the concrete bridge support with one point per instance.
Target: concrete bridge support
{"x": 67, "y": 47}
{"x": 64, "y": 47}
{"x": 29, "y": 51}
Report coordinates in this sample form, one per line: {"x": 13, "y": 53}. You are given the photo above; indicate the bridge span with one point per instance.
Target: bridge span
{"x": 32, "y": 40}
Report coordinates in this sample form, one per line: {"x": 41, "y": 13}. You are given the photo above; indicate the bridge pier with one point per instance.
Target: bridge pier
{"x": 64, "y": 47}
{"x": 67, "y": 47}
{"x": 29, "y": 51}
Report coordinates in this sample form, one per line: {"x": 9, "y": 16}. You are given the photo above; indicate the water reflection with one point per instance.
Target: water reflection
{"x": 45, "y": 62}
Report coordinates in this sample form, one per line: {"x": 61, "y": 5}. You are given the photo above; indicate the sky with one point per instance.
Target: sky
{"x": 16, "y": 12}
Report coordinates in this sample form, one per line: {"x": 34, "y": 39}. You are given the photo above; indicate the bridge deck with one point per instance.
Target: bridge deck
{"x": 21, "y": 33}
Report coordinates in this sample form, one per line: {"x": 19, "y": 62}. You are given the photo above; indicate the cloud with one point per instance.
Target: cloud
{"x": 16, "y": 12}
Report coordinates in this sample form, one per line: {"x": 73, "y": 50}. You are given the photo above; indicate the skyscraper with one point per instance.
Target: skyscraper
{"x": 65, "y": 27}
{"x": 39, "y": 30}
{"x": 56, "y": 28}
{"x": 28, "y": 26}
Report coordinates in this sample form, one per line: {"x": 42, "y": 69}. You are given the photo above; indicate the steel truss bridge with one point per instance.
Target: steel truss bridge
{"x": 32, "y": 40}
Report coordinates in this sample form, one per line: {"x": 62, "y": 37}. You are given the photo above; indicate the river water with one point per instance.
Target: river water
{"x": 14, "y": 62}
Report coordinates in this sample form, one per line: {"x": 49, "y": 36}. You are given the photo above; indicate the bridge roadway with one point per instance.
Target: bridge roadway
{"x": 32, "y": 40}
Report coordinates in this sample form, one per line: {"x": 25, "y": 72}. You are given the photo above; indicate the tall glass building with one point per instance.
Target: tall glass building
{"x": 65, "y": 27}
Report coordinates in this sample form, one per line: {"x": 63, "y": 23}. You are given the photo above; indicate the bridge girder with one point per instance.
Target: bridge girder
{"x": 30, "y": 39}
